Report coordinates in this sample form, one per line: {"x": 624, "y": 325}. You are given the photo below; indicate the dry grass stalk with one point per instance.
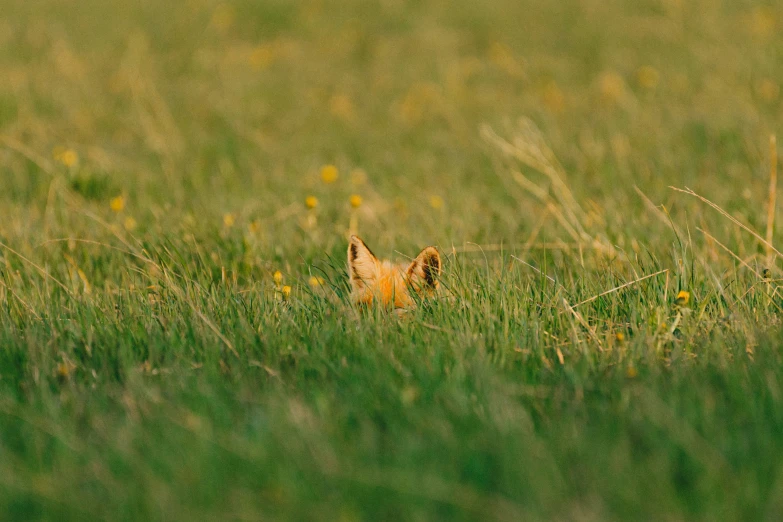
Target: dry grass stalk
{"x": 585, "y": 324}
{"x": 662, "y": 215}
{"x": 27, "y": 152}
{"x": 621, "y": 287}
{"x": 731, "y": 218}
{"x": 773, "y": 191}
{"x": 39, "y": 268}
{"x": 727, "y": 249}
{"x": 529, "y": 147}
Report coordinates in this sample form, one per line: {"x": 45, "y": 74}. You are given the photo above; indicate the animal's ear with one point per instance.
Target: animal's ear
{"x": 362, "y": 263}
{"x": 424, "y": 272}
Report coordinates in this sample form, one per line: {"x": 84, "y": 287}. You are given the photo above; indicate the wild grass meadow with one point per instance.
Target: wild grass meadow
{"x": 178, "y": 182}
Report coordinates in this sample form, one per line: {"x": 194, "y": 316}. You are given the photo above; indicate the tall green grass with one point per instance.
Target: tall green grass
{"x": 155, "y": 162}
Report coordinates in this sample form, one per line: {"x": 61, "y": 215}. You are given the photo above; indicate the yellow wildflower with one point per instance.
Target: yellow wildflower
{"x": 619, "y": 336}
{"x": 682, "y": 299}
{"x": 315, "y": 282}
{"x": 355, "y": 200}
{"x": 67, "y": 157}
{"x": 329, "y": 173}
{"x": 286, "y": 291}
{"x": 117, "y": 204}
{"x": 229, "y": 220}
{"x": 631, "y": 372}
{"x": 278, "y": 277}
{"x": 311, "y": 202}
{"x": 436, "y": 202}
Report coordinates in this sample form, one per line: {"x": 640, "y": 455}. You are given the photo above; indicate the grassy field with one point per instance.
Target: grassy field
{"x": 161, "y": 162}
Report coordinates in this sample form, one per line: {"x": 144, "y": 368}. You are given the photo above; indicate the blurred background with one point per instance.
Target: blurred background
{"x": 213, "y": 115}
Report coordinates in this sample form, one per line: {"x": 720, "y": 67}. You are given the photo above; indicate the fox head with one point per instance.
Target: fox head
{"x": 375, "y": 281}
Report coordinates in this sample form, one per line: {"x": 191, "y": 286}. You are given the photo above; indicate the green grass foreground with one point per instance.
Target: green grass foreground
{"x": 161, "y": 161}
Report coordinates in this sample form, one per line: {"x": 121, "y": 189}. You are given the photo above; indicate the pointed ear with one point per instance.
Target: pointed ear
{"x": 424, "y": 272}
{"x": 362, "y": 264}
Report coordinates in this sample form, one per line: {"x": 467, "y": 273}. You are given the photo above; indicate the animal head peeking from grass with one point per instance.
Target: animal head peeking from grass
{"x": 375, "y": 282}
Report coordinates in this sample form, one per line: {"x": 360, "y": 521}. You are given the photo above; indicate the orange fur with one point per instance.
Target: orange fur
{"x": 374, "y": 281}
